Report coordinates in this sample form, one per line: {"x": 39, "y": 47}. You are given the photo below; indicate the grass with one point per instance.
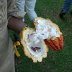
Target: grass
{"x": 57, "y": 61}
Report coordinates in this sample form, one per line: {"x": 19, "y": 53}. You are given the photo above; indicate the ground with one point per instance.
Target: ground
{"x": 57, "y": 61}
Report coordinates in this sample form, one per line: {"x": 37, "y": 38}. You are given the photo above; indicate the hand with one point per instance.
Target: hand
{"x": 16, "y": 24}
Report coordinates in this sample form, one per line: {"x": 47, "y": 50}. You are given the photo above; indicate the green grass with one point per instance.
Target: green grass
{"x": 57, "y": 61}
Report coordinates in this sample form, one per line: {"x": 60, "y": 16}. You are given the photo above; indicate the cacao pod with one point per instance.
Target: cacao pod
{"x": 34, "y": 51}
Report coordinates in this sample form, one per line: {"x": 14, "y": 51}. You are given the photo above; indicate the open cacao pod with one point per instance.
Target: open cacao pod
{"x": 50, "y": 32}
{"x": 55, "y": 42}
{"x": 35, "y": 51}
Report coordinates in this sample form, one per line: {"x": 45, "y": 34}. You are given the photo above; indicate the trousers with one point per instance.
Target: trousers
{"x": 66, "y": 5}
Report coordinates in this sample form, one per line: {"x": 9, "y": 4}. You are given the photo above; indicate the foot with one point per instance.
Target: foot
{"x": 71, "y": 12}
{"x": 62, "y": 14}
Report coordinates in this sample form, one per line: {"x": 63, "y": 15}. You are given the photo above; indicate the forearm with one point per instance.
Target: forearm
{"x": 16, "y": 24}
{"x": 32, "y": 15}
{"x": 30, "y": 6}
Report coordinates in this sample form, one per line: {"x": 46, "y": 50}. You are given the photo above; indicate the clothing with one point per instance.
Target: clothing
{"x": 66, "y": 5}
{"x": 6, "y": 47}
{"x": 28, "y": 6}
